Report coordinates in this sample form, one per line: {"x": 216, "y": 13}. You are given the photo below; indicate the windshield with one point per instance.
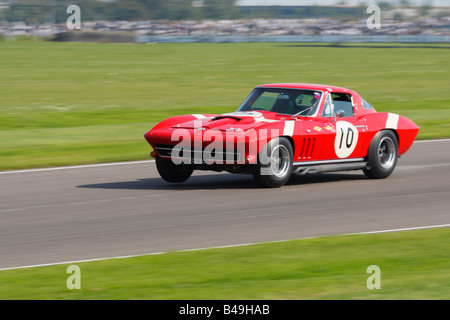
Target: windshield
{"x": 284, "y": 101}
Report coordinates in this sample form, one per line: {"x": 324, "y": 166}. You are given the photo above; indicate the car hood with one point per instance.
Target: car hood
{"x": 236, "y": 121}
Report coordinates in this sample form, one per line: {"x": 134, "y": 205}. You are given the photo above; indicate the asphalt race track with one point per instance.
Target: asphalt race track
{"x": 72, "y": 214}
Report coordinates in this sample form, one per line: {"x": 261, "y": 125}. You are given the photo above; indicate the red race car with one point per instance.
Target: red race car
{"x": 282, "y": 129}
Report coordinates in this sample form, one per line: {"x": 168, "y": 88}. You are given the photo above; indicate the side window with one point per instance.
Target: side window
{"x": 366, "y": 105}
{"x": 343, "y": 102}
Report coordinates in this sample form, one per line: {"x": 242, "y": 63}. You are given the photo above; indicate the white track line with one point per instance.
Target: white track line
{"x": 222, "y": 247}
{"x": 436, "y": 140}
{"x": 79, "y": 166}
{"x": 131, "y": 163}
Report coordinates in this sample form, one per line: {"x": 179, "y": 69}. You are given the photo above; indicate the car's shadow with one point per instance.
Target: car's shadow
{"x": 221, "y": 181}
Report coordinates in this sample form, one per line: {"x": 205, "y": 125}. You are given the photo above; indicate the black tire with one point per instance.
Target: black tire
{"x": 274, "y": 169}
{"x": 172, "y": 172}
{"x": 382, "y": 155}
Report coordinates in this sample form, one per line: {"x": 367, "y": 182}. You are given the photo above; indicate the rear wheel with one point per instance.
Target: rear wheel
{"x": 172, "y": 172}
{"x": 382, "y": 155}
{"x": 274, "y": 166}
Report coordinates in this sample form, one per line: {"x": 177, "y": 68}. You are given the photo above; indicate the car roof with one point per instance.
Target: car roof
{"x": 310, "y": 86}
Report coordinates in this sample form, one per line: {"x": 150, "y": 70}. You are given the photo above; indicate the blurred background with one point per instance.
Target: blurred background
{"x": 224, "y": 17}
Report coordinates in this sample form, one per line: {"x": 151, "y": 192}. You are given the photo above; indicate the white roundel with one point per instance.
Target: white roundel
{"x": 346, "y": 139}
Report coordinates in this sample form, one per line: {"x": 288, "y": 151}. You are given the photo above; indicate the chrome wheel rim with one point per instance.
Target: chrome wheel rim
{"x": 279, "y": 161}
{"x": 386, "y": 152}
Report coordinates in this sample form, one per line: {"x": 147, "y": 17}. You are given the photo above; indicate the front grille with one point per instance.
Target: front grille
{"x": 200, "y": 156}
{"x": 164, "y": 150}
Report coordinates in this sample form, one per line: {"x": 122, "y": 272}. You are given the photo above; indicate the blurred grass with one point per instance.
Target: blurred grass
{"x": 73, "y": 103}
{"x": 413, "y": 264}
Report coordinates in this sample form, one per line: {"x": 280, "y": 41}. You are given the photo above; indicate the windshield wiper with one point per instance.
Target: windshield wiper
{"x": 307, "y": 109}
{"x": 298, "y": 113}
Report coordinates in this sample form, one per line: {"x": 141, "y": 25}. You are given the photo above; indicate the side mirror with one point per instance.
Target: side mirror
{"x": 339, "y": 114}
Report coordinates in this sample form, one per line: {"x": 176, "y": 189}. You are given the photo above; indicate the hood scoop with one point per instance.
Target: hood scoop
{"x": 236, "y": 121}
{"x": 224, "y": 116}
{"x": 217, "y": 121}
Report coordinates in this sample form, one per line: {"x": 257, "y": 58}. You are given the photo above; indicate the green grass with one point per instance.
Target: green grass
{"x": 413, "y": 265}
{"x": 71, "y": 103}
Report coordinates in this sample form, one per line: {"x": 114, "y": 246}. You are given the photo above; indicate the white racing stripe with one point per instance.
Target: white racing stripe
{"x": 225, "y": 246}
{"x": 199, "y": 116}
{"x": 289, "y": 128}
{"x": 392, "y": 121}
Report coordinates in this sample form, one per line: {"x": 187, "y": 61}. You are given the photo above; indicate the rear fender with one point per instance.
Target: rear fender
{"x": 405, "y": 129}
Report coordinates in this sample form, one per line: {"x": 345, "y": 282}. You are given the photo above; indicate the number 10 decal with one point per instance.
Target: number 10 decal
{"x": 346, "y": 139}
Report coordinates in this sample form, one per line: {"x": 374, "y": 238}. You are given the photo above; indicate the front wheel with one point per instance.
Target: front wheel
{"x": 172, "y": 172}
{"x": 382, "y": 155}
{"x": 274, "y": 166}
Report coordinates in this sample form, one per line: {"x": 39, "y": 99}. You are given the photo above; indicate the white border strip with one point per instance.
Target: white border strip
{"x": 400, "y": 229}
{"x": 80, "y": 166}
{"x": 435, "y": 140}
{"x": 225, "y": 246}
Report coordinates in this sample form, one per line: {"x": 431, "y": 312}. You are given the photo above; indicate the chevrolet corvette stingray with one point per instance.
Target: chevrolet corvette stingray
{"x": 281, "y": 129}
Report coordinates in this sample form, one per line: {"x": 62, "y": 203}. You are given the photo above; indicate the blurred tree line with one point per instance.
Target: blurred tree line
{"x": 38, "y": 11}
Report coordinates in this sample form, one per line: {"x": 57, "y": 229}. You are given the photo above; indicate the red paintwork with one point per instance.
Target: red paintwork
{"x": 313, "y": 138}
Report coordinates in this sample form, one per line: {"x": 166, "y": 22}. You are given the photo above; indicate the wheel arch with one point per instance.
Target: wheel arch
{"x": 373, "y": 137}
{"x": 291, "y": 141}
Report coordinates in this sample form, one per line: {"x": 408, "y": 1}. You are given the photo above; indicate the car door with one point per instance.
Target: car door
{"x": 307, "y": 130}
{"x": 342, "y": 129}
